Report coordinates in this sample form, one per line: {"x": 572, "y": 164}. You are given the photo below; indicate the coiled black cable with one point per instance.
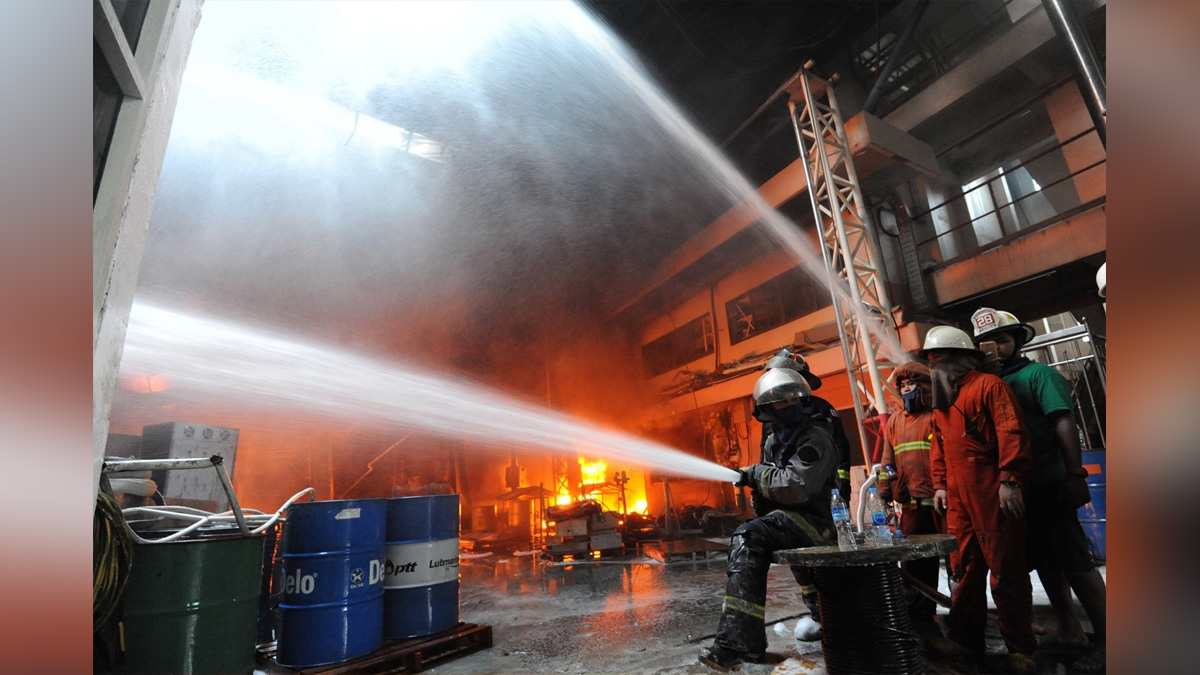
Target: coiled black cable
{"x": 112, "y": 558}
{"x": 864, "y": 620}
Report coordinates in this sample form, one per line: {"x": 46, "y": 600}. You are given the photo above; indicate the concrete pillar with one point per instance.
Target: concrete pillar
{"x": 1069, "y": 116}
{"x": 121, "y": 214}
{"x": 950, "y": 243}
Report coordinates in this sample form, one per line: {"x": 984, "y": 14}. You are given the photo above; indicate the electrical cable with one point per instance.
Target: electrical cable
{"x": 202, "y": 518}
{"x": 865, "y": 619}
{"x": 112, "y": 559}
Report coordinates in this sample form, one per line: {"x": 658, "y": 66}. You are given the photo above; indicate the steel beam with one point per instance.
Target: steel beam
{"x": 848, "y": 250}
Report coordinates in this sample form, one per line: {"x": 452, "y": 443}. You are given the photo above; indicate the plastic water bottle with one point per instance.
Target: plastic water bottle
{"x": 841, "y": 522}
{"x": 880, "y": 534}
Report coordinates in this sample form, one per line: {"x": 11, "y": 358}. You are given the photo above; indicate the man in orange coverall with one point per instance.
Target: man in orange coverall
{"x": 906, "y": 447}
{"x": 979, "y": 458}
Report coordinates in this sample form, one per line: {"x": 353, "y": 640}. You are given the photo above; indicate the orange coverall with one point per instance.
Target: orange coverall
{"x": 906, "y": 447}
{"x": 971, "y": 470}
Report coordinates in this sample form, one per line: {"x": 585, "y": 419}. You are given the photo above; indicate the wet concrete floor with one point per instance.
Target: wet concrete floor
{"x": 637, "y": 615}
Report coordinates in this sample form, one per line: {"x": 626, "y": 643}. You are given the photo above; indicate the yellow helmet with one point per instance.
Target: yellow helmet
{"x": 988, "y": 321}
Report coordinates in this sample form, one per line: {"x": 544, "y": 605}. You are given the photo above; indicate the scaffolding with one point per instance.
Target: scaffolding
{"x": 848, "y": 249}
{"x": 1078, "y": 354}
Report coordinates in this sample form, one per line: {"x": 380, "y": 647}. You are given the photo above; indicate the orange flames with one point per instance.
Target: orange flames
{"x": 597, "y": 484}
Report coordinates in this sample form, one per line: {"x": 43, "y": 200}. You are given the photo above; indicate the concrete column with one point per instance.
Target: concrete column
{"x": 121, "y": 215}
{"x": 950, "y": 243}
{"x": 1069, "y": 116}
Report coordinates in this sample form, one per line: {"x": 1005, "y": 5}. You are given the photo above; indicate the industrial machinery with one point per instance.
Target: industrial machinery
{"x": 582, "y": 530}
{"x": 181, "y": 440}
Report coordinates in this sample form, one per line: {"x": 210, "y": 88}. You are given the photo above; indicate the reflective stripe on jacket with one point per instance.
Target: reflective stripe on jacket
{"x": 906, "y": 447}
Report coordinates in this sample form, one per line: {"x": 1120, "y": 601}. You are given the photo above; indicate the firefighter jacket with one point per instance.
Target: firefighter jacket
{"x": 906, "y": 448}
{"x": 981, "y": 438}
{"x": 825, "y": 410}
{"x": 797, "y": 476}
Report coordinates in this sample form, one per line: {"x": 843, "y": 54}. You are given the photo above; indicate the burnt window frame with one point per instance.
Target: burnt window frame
{"x": 682, "y": 345}
{"x": 117, "y": 27}
{"x": 773, "y": 303}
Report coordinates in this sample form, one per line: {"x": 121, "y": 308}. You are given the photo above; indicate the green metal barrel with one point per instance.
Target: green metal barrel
{"x": 191, "y": 606}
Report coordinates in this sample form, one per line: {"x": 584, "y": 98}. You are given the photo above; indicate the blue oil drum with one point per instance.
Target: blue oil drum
{"x": 1093, "y": 514}
{"x": 331, "y": 605}
{"x": 420, "y": 575}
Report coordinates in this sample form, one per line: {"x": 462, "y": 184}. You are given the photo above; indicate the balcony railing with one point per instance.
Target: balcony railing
{"x": 1011, "y": 201}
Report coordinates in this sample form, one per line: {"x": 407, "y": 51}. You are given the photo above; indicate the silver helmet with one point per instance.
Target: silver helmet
{"x": 780, "y": 384}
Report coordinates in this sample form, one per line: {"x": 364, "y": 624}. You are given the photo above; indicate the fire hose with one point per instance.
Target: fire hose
{"x": 941, "y": 599}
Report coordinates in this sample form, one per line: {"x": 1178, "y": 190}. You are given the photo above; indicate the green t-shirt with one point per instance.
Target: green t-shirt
{"x": 1042, "y": 391}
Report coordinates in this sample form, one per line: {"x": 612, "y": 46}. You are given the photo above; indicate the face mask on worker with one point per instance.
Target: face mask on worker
{"x": 945, "y": 375}
{"x": 795, "y": 415}
{"x": 914, "y": 401}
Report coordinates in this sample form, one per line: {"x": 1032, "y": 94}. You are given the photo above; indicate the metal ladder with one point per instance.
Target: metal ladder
{"x": 848, "y": 250}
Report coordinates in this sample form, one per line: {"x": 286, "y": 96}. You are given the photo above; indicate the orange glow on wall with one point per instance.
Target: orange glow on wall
{"x": 141, "y": 383}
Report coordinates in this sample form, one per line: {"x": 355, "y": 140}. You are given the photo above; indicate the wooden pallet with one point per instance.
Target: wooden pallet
{"x": 400, "y": 656}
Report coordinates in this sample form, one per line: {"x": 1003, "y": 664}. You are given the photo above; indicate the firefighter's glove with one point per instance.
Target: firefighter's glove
{"x": 1012, "y": 504}
{"x": 745, "y": 476}
{"x": 1076, "y": 491}
{"x": 759, "y": 504}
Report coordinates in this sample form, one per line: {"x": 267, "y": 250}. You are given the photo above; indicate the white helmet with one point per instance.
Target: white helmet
{"x": 780, "y": 384}
{"x": 988, "y": 321}
{"x": 1102, "y": 281}
{"x": 948, "y": 337}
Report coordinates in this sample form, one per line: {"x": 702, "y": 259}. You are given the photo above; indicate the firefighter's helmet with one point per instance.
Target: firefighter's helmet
{"x": 988, "y": 322}
{"x": 780, "y": 384}
{"x": 786, "y": 358}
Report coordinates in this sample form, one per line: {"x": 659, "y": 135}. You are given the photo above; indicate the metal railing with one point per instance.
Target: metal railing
{"x": 1006, "y": 218}
{"x": 1079, "y": 355}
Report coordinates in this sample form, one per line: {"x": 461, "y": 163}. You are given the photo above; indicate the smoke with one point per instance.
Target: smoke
{"x": 555, "y": 190}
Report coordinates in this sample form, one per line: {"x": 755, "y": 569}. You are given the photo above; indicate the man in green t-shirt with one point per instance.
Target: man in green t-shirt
{"x": 1056, "y": 544}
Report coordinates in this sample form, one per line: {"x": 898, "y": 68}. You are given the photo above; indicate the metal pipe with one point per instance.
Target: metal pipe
{"x": 862, "y": 495}
{"x": 216, "y": 462}
{"x": 121, "y": 465}
{"x": 1084, "y": 63}
{"x": 894, "y": 57}
{"x": 1098, "y": 352}
{"x": 1087, "y": 382}
{"x": 233, "y": 500}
